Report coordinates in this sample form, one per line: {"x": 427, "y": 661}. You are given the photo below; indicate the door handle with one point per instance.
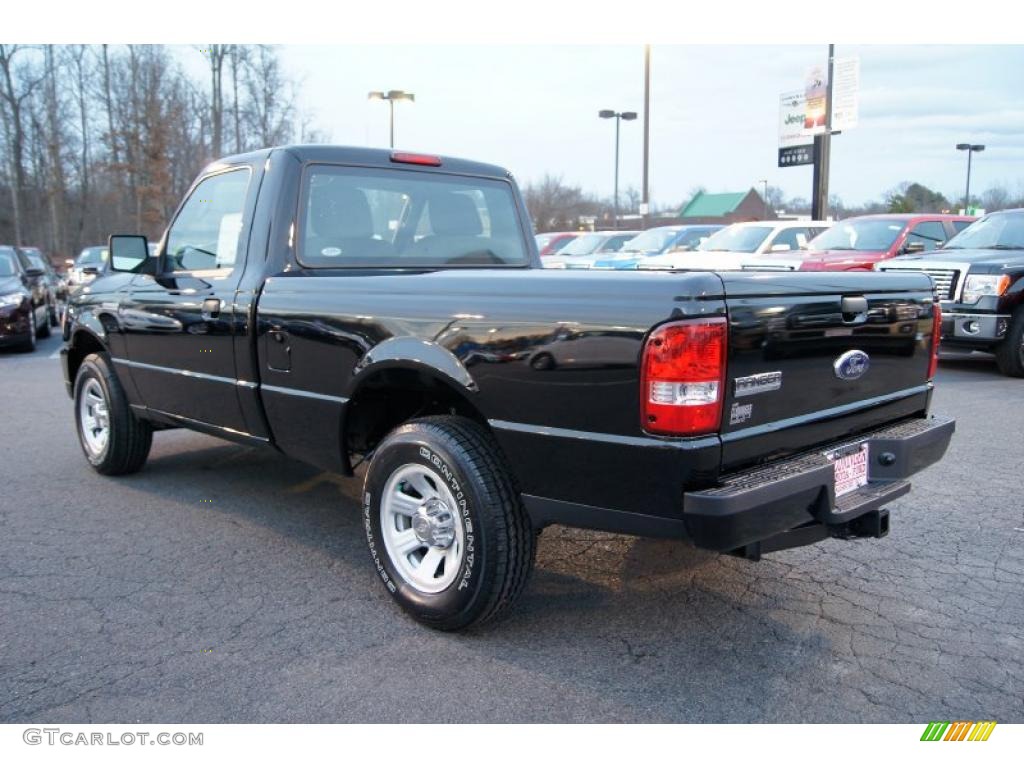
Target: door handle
{"x": 854, "y": 309}
{"x": 211, "y": 309}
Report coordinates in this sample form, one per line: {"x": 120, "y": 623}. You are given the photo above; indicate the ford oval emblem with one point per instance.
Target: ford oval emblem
{"x": 851, "y": 365}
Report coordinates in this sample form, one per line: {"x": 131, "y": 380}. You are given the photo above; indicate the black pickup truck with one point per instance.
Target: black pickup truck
{"x": 979, "y": 280}
{"x": 347, "y": 306}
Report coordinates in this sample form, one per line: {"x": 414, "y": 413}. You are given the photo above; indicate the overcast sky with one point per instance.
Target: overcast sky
{"x": 714, "y": 111}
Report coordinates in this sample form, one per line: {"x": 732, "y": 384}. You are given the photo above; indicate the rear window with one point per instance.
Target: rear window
{"x": 355, "y": 217}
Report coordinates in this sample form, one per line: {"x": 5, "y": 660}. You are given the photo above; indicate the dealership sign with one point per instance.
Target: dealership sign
{"x": 845, "y": 93}
{"x": 802, "y": 113}
{"x": 795, "y": 147}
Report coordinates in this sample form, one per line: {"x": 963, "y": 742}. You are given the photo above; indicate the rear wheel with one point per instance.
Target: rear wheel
{"x": 446, "y": 528}
{"x": 1010, "y": 353}
{"x": 115, "y": 441}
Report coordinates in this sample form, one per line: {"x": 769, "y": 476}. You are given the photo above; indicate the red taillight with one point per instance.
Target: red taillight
{"x": 682, "y": 377}
{"x": 414, "y": 159}
{"x": 933, "y": 365}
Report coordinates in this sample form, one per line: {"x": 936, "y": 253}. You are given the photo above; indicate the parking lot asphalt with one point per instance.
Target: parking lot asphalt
{"x": 228, "y": 584}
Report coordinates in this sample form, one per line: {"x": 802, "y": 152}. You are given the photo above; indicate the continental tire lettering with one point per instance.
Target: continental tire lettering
{"x": 382, "y": 572}
{"x": 469, "y": 551}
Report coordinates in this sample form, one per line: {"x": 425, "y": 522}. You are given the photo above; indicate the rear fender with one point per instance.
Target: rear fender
{"x": 416, "y": 354}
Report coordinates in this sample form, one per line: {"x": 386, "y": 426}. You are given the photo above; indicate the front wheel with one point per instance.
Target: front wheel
{"x": 1010, "y": 353}
{"x": 44, "y": 329}
{"x": 446, "y": 529}
{"x": 115, "y": 441}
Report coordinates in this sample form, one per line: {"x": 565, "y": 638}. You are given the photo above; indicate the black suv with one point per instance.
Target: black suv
{"x": 25, "y": 301}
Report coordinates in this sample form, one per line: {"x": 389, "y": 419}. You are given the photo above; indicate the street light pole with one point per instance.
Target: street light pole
{"x": 391, "y": 123}
{"x": 391, "y": 97}
{"x": 615, "y": 215}
{"x": 606, "y": 114}
{"x": 647, "y": 134}
{"x": 971, "y": 149}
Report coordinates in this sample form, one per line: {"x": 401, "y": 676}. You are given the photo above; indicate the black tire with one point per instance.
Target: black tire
{"x": 500, "y": 542}
{"x": 543, "y": 362}
{"x": 1010, "y": 353}
{"x": 29, "y": 345}
{"x": 54, "y": 314}
{"x": 129, "y": 438}
{"x": 44, "y": 329}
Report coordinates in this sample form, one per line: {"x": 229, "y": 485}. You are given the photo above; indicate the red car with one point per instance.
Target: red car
{"x": 859, "y": 242}
{"x": 549, "y": 242}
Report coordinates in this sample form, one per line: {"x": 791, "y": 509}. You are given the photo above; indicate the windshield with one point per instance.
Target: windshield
{"x": 7, "y": 266}
{"x": 736, "y": 239}
{"x": 582, "y": 246}
{"x": 998, "y": 230}
{"x": 651, "y": 240}
{"x": 863, "y": 235}
{"x": 91, "y": 257}
{"x": 692, "y": 239}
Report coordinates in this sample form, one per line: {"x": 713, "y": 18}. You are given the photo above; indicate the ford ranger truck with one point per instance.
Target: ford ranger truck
{"x": 387, "y": 312}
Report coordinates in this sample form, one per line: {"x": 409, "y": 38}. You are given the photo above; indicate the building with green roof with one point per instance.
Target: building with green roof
{"x": 723, "y": 208}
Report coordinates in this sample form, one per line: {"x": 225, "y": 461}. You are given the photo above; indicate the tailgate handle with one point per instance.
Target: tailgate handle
{"x": 854, "y": 308}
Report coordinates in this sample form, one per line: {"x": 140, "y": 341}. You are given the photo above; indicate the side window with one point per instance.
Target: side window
{"x": 931, "y": 233}
{"x": 205, "y": 234}
{"x": 960, "y": 226}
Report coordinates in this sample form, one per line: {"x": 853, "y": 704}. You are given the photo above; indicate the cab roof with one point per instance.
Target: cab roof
{"x": 366, "y": 156}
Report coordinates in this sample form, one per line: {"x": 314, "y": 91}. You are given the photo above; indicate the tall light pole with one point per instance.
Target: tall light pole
{"x": 619, "y": 116}
{"x": 647, "y": 134}
{"x": 765, "y": 182}
{"x": 391, "y": 97}
{"x": 971, "y": 149}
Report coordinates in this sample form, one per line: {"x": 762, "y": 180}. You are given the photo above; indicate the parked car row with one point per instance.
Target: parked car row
{"x": 853, "y": 244}
{"x": 976, "y": 265}
{"x": 619, "y": 249}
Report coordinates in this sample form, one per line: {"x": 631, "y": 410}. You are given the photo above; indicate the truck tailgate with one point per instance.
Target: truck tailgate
{"x": 814, "y": 357}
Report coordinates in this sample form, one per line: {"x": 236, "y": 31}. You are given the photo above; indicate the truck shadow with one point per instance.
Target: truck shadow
{"x": 624, "y": 619}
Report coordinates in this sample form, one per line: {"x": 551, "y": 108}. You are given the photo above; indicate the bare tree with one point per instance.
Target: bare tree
{"x": 216, "y": 55}
{"x": 552, "y": 204}
{"x": 996, "y": 199}
{"x": 95, "y": 139}
{"x": 270, "y": 98}
{"x": 14, "y": 91}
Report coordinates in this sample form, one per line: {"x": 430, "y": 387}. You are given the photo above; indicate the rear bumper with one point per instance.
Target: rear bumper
{"x": 756, "y": 505}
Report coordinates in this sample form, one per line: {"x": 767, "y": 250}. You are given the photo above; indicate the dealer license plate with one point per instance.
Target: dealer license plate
{"x": 851, "y": 467}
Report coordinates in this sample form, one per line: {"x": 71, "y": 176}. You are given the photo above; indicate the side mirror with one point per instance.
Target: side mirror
{"x": 90, "y": 270}
{"x": 35, "y": 272}
{"x": 779, "y": 247}
{"x": 128, "y": 253}
{"x": 915, "y": 246}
